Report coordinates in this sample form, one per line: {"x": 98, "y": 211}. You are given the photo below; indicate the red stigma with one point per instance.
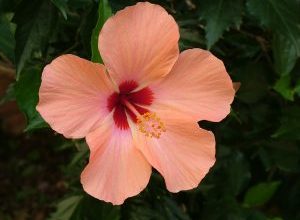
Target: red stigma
{"x": 116, "y": 102}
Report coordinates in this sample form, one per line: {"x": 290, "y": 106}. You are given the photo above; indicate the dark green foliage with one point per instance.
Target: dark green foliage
{"x": 84, "y": 207}
{"x": 29, "y": 83}
{"x": 285, "y": 56}
{"x": 256, "y": 176}
{"x": 260, "y": 194}
{"x": 62, "y": 6}
{"x": 104, "y": 12}
{"x": 282, "y": 16}
{"x": 289, "y": 124}
{"x": 34, "y": 27}
{"x": 7, "y": 42}
{"x": 219, "y": 16}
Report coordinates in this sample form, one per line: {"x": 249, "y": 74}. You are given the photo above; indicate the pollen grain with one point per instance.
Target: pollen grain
{"x": 150, "y": 125}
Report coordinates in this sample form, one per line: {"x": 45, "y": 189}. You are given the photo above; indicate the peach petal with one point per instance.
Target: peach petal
{"x": 183, "y": 154}
{"x": 117, "y": 169}
{"x": 72, "y": 96}
{"x": 139, "y": 43}
{"x": 198, "y": 85}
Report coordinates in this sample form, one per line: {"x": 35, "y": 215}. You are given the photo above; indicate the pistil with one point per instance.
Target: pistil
{"x": 130, "y": 107}
{"x": 148, "y": 123}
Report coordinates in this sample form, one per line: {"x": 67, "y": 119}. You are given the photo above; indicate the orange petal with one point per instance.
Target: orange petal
{"x": 183, "y": 154}
{"x": 73, "y": 94}
{"x": 117, "y": 169}
{"x": 198, "y": 85}
{"x": 139, "y": 43}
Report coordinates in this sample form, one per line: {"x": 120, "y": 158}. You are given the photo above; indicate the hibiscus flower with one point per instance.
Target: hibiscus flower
{"x": 140, "y": 109}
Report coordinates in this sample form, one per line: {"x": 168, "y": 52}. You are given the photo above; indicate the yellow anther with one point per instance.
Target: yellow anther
{"x": 151, "y": 125}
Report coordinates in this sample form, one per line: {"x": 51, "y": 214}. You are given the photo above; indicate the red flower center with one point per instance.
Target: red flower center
{"x": 116, "y": 102}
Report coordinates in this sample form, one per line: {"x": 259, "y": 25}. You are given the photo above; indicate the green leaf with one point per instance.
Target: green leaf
{"x": 66, "y": 208}
{"x": 260, "y": 194}
{"x": 297, "y": 88}
{"x": 284, "y": 54}
{"x": 87, "y": 24}
{"x": 7, "y": 41}
{"x": 34, "y": 21}
{"x": 173, "y": 211}
{"x": 223, "y": 208}
{"x": 265, "y": 158}
{"x": 26, "y": 90}
{"x": 9, "y": 94}
{"x": 283, "y": 87}
{"x": 62, "y": 6}
{"x": 290, "y": 126}
{"x": 286, "y": 156}
{"x": 80, "y": 156}
{"x": 80, "y": 207}
{"x": 92, "y": 208}
{"x": 233, "y": 172}
{"x": 282, "y": 16}
{"x": 220, "y": 15}
{"x": 104, "y": 12}
{"x": 190, "y": 38}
